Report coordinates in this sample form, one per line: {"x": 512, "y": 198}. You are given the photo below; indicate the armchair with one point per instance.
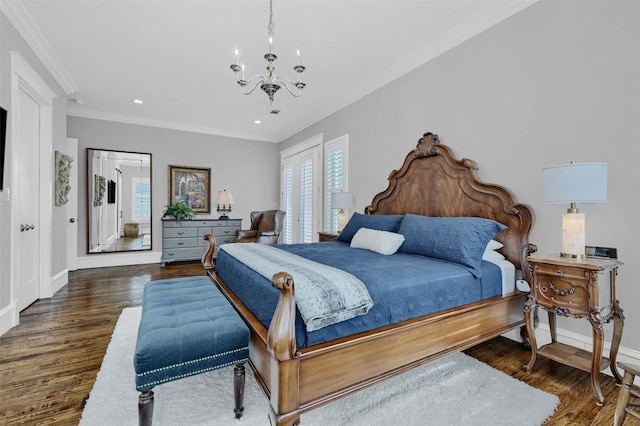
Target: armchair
{"x": 266, "y": 227}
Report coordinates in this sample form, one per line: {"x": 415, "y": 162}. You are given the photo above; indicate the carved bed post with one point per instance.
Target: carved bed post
{"x": 285, "y": 364}
{"x": 207, "y": 257}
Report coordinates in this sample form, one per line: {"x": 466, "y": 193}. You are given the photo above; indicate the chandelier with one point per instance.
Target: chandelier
{"x": 271, "y": 83}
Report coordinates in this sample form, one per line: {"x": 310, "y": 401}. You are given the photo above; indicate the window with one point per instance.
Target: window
{"x": 141, "y": 199}
{"x": 335, "y": 177}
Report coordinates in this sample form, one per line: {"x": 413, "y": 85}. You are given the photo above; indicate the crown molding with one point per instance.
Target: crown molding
{"x": 118, "y": 118}
{"x": 20, "y": 18}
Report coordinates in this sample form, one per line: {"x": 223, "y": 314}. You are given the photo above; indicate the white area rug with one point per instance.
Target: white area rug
{"x": 456, "y": 390}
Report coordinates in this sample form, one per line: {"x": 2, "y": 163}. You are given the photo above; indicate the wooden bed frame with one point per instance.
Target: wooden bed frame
{"x": 431, "y": 182}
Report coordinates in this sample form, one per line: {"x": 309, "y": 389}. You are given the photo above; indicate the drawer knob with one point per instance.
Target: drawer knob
{"x": 180, "y": 244}
{"x": 226, "y": 232}
{"x": 180, "y": 233}
{"x": 558, "y": 272}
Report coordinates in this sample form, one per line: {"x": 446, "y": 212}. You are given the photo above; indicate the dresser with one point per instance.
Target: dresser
{"x": 183, "y": 240}
{"x": 576, "y": 288}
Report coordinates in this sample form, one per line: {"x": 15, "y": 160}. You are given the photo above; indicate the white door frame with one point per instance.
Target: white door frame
{"x": 72, "y": 207}
{"x": 24, "y": 78}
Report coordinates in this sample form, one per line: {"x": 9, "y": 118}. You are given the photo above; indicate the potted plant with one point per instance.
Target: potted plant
{"x": 180, "y": 211}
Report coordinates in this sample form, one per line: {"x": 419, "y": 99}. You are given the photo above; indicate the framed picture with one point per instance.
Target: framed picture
{"x": 191, "y": 186}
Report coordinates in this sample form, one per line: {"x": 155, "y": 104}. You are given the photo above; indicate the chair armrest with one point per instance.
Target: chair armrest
{"x": 246, "y": 233}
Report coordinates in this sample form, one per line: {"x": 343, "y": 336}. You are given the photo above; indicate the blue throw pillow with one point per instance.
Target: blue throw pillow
{"x": 462, "y": 240}
{"x": 378, "y": 222}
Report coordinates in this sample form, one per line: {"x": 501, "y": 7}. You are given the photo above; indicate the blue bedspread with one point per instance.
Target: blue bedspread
{"x": 402, "y": 286}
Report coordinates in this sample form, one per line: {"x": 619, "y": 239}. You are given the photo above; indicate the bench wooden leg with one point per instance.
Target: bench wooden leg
{"x": 145, "y": 408}
{"x": 238, "y": 389}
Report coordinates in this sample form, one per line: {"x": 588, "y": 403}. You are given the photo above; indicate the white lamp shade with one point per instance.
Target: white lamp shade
{"x": 575, "y": 183}
{"x": 341, "y": 200}
{"x": 224, "y": 197}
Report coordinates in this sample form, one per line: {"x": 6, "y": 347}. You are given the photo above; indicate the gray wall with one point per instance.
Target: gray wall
{"x": 249, "y": 169}
{"x": 557, "y": 82}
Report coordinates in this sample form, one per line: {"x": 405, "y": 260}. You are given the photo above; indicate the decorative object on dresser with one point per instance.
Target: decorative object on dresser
{"x": 191, "y": 186}
{"x": 577, "y": 288}
{"x": 179, "y": 211}
{"x": 574, "y": 183}
{"x": 341, "y": 200}
{"x": 184, "y": 240}
{"x": 298, "y": 372}
{"x": 224, "y": 199}
{"x": 324, "y": 236}
{"x": 266, "y": 227}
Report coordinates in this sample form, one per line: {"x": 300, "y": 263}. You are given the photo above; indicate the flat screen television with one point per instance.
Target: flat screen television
{"x": 3, "y": 141}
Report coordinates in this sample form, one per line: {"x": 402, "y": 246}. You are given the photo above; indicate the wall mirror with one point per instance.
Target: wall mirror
{"x": 118, "y": 201}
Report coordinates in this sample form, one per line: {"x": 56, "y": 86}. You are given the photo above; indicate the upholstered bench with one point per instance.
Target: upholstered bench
{"x": 187, "y": 327}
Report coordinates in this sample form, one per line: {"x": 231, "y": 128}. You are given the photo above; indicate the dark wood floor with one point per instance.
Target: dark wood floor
{"x": 49, "y": 362}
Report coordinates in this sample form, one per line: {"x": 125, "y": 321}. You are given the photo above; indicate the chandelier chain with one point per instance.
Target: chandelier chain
{"x": 270, "y": 26}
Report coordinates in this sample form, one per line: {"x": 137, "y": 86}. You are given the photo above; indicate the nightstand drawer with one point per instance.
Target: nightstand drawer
{"x": 567, "y": 272}
{"x": 570, "y": 295}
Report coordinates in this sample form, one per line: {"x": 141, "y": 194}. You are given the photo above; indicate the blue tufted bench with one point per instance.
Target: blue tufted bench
{"x": 187, "y": 328}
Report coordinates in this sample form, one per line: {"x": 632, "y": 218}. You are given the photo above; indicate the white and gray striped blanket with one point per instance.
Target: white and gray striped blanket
{"x": 324, "y": 295}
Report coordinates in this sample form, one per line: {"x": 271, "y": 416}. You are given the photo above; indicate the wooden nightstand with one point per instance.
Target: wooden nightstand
{"x": 578, "y": 288}
{"x": 326, "y": 236}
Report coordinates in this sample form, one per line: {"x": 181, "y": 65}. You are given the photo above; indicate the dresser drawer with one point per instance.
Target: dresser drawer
{"x": 182, "y": 253}
{"x": 180, "y": 232}
{"x": 219, "y": 241}
{"x": 225, "y": 232}
{"x": 172, "y": 243}
{"x": 564, "y": 291}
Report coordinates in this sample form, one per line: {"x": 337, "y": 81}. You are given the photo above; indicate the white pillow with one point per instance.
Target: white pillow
{"x": 492, "y": 255}
{"x": 494, "y": 245}
{"x": 383, "y": 242}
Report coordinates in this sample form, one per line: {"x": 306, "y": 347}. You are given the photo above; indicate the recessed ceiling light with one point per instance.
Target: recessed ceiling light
{"x": 137, "y": 101}
{"x": 257, "y": 121}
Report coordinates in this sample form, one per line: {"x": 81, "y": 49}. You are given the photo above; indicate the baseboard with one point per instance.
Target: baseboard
{"x": 59, "y": 280}
{"x": 104, "y": 260}
{"x": 9, "y": 317}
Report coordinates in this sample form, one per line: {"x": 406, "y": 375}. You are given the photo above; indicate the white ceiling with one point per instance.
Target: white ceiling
{"x": 175, "y": 54}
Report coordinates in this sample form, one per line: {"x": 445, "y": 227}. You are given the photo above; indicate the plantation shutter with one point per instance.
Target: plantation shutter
{"x": 306, "y": 206}
{"x": 287, "y": 203}
{"x": 335, "y": 183}
{"x": 142, "y": 199}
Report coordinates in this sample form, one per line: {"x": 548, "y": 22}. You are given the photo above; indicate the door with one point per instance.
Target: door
{"x": 72, "y": 207}
{"x": 27, "y": 148}
{"x": 302, "y": 195}
{"x": 31, "y": 185}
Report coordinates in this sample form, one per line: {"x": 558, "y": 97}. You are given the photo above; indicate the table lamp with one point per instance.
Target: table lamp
{"x": 341, "y": 200}
{"x": 574, "y": 183}
{"x": 224, "y": 200}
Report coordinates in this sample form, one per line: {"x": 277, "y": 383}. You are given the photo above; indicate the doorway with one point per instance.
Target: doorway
{"x": 31, "y": 203}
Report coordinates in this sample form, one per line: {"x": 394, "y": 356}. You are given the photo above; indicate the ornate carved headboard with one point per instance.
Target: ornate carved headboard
{"x": 433, "y": 182}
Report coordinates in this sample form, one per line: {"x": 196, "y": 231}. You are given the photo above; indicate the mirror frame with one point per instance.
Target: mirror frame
{"x": 106, "y": 190}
